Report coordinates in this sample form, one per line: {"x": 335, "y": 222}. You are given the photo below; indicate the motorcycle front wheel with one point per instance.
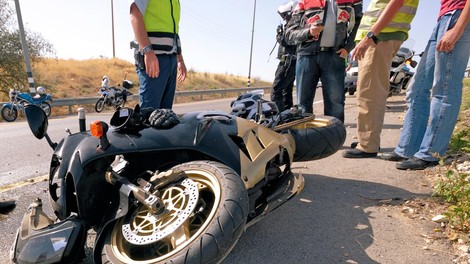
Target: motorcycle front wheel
{"x": 9, "y": 113}
{"x": 207, "y": 236}
{"x": 318, "y": 138}
{"x": 99, "y": 106}
{"x": 46, "y": 107}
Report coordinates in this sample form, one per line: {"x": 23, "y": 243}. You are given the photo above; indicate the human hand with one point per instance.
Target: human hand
{"x": 343, "y": 53}
{"x": 152, "y": 68}
{"x": 181, "y": 71}
{"x": 360, "y": 50}
{"x": 447, "y": 42}
{"x": 315, "y": 30}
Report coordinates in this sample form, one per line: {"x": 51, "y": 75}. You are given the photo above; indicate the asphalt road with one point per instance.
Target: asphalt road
{"x": 349, "y": 211}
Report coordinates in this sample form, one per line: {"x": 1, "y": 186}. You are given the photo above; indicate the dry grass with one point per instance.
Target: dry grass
{"x": 81, "y": 78}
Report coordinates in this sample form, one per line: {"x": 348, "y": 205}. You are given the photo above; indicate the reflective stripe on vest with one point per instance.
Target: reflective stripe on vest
{"x": 400, "y": 22}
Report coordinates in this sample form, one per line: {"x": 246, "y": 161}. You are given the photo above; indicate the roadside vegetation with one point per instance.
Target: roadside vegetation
{"x": 453, "y": 182}
{"x": 82, "y": 78}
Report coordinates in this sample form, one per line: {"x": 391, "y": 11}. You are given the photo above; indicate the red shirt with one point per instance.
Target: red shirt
{"x": 451, "y": 5}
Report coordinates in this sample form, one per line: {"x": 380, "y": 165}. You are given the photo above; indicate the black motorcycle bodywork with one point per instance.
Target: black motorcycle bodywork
{"x": 82, "y": 197}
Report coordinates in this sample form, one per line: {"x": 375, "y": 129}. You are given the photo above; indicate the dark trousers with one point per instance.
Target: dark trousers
{"x": 283, "y": 84}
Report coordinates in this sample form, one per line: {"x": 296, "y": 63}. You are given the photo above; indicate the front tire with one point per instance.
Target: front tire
{"x": 46, "y": 107}
{"x": 9, "y": 113}
{"x": 318, "y": 138}
{"x": 99, "y": 106}
{"x": 207, "y": 236}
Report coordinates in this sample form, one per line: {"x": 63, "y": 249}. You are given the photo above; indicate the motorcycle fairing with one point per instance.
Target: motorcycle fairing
{"x": 57, "y": 243}
{"x": 241, "y": 144}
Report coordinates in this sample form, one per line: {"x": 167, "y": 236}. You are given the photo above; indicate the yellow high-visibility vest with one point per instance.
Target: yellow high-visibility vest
{"x": 400, "y": 22}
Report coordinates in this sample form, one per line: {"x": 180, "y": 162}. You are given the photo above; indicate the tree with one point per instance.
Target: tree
{"x": 12, "y": 66}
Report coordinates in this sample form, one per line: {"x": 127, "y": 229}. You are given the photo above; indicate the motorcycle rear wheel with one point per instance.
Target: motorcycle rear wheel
{"x": 207, "y": 236}
{"x": 46, "y": 107}
{"x": 9, "y": 113}
{"x": 318, "y": 138}
{"x": 99, "y": 106}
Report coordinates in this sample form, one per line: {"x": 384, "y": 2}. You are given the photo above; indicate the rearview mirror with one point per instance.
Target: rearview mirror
{"x": 37, "y": 120}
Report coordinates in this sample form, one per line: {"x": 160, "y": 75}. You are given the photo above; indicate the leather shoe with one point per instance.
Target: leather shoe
{"x": 392, "y": 156}
{"x": 358, "y": 154}
{"x": 415, "y": 164}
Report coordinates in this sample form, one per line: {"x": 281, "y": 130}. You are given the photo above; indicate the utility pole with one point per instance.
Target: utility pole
{"x": 112, "y": 26}
{"x": 251, "y": 49}
{"x": 24, "y": 46}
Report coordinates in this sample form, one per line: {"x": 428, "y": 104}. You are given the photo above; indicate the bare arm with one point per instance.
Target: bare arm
{"x": 385, "y": 18}
{"x": 140, "y": 32}
{"x": 451, "y": 37}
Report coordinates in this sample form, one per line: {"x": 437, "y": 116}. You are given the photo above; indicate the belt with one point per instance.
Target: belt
{"x": 326, "y": 49}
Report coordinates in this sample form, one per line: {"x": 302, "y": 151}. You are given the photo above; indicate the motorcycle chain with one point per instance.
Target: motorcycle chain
{"x": 293, "y": 123}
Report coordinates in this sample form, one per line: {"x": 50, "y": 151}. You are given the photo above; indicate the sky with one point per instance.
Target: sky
{"x": 216, "y": 35}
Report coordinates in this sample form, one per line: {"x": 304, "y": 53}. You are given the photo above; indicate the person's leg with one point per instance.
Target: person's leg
{"x": 151, "y": 90}
{"x": 418, "y": 100}
{"x": 373, "y": 87}
{"x": 446, "y": 94}
{"x": 333, "y": 71}
{"x": 307, "y": 79}
{"x": 170, "y": 73}
{"x": 278, "y": 86}
{"x": 290, "y": 78}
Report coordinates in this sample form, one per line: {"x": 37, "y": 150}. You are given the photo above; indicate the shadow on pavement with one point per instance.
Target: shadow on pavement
{"x": 327, "y": 223}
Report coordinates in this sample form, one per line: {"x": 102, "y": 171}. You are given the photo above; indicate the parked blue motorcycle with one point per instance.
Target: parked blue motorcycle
{"x": 18, "y": 100}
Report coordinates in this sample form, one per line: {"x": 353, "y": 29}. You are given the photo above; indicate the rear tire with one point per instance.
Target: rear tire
{"x": 9, "y": 113}
{"x": 99, "y": 106}
{"x": 318, "y": 138}
{"x": 207, "y": 236}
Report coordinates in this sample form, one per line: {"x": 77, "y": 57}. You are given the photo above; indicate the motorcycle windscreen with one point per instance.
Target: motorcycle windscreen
{"x": 57, "y": 243}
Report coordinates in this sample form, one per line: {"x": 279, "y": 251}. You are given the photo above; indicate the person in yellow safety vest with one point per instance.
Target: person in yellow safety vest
{"x": 158, "y": 58}
{"x": 383, "y": 29}
{"x": 323, "y": 31}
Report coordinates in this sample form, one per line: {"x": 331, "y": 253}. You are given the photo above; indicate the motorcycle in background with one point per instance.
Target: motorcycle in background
{"x": 350, "y": 81}
{"x": 113, "y": 96}
{"x": 18, "y": 100}
{"x": 400, "y": 73}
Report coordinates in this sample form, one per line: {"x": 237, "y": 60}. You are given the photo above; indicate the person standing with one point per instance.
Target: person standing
{"x": 159, "y": 61}
{"x": 383, "y": 29}
{"x": 323, "y": 31}
{"x": 284, "y": 77}
{"x": 435, "y": 92}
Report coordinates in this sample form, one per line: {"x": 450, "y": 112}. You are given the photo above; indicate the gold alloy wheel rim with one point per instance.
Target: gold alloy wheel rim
{"x": 209, "y": 195}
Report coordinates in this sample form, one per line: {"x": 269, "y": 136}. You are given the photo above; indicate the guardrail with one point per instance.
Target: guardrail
{"x": 70, "y": 102}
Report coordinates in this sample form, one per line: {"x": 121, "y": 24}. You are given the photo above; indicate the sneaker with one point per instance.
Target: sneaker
{"x": 358, "y": 154}
{"x": 415, "y": 164}
{"x": 392, "y": 156}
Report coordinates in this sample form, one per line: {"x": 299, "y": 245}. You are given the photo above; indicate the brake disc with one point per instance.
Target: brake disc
{"x": 145, "y": 227}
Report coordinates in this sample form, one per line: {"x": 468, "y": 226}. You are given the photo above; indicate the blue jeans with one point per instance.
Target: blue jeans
{"x": 330, "y": 68}
{"x": 159, "y": 92}
{"x": 435, "y": 94}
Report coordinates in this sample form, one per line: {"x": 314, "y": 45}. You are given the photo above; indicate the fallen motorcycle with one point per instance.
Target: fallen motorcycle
{"x": 113, "y": 96}
{"x": 162, "y": 188}
{"x": 18, "y": 100}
